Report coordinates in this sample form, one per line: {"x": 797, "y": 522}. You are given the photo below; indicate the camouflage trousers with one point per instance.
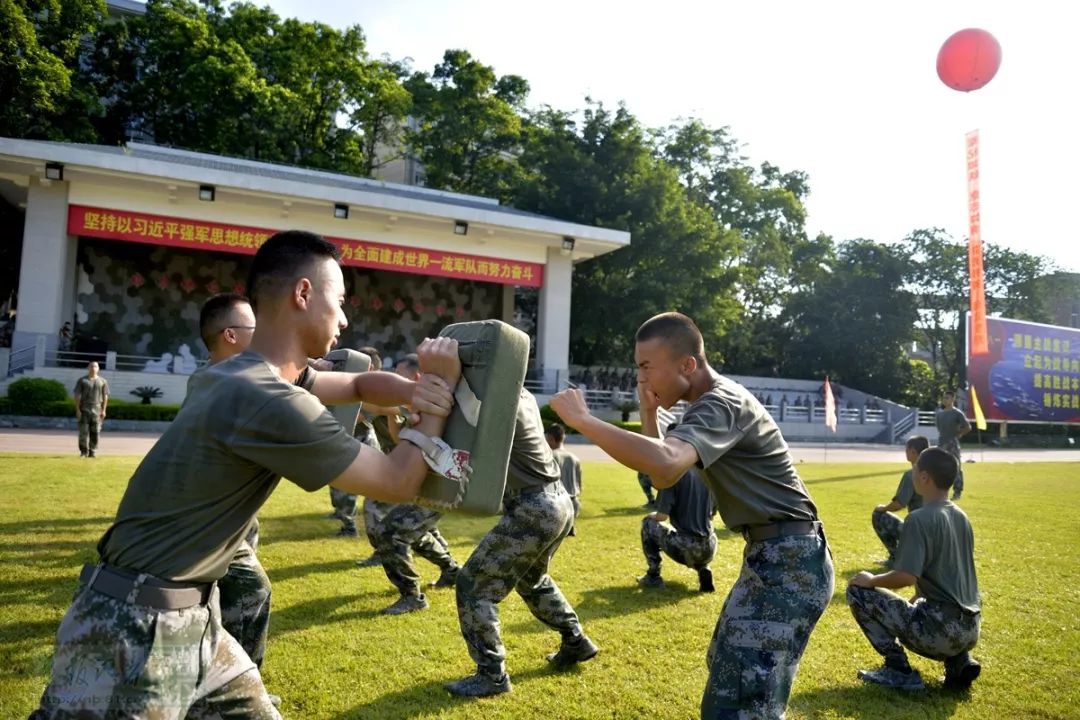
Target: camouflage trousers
{"x": 374, "y": 512}
{"x": 930, "y": 629}
{"x": 114, "y": 659}
{"x": 514, "y": 555}
{"x": 406, "y": 529}
{"x": 89, "y": 430}
{"x": 888, "y": 527}
{"x": 245, "y": 603}
{"x": 784, "y": 586}
{"x": 690, "y": 550}
{"x": 344, "y": 508}
{"x": 953, "y": 448}
{"x": 646, "y": 487}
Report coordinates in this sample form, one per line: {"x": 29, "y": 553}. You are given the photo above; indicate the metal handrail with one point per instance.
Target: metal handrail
{"x": 17, "y": 360}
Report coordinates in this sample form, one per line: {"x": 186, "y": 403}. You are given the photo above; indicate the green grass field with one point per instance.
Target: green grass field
{"x": 333, "y": 655}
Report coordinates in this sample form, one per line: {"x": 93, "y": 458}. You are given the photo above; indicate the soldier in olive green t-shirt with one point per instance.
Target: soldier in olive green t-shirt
{"x": 887, "y": 524}
{"x": 936, "y": 554}
{"x": 91, "y": 404}
{"x": 787, "y": 577}
{"x": 143, "y": 635}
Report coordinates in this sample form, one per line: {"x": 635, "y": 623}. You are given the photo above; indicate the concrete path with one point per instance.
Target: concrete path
{"x": 54, "y": 442}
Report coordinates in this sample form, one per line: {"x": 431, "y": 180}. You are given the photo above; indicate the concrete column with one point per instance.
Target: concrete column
{"x": 553, "y": 321}
{"x": 508, "y": 304}
{"x": 47, "y": 272}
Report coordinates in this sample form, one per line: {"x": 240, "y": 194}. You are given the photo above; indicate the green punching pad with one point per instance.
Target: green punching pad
{"x": 494, "y": 357}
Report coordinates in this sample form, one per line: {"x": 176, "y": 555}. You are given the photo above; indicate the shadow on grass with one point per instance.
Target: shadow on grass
{"x": 867, "y": 700}
{"x": 432, "y": 699}
{"x": 324, "y": 611}
{"x": 621, "y": 600}
{"x": 52, "y": 524}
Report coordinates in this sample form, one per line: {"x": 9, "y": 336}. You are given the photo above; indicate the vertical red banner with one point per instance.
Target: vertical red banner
{"x": 979, "y": 344}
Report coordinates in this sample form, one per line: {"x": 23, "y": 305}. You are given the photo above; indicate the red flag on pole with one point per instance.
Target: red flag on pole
{"x": 830, "y": 407}
{"x": 975, "y": 256}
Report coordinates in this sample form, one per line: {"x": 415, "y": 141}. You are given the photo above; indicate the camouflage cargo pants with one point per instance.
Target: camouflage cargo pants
{"x": 89, "y": 430}
{"x": 646, "y": 487}
{"x": 784, "y": 587}
{"x": 344, "y": 508}
{"x": 374, "y": 512}
{"x": 929, "y": 629}
{"x": 404, "y": 529}
{"x": 689, "y": 550}
{"x": 953, "y": 448}
{"x": 117, "y": 660}
{"x": 514, "y": 555}
{"x": 245, "y": 603}
{"x": 888, "y": 527}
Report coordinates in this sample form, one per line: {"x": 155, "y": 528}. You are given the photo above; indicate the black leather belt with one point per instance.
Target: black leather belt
{"x": 145, "y": 590}
{"x": 757, "y": 533}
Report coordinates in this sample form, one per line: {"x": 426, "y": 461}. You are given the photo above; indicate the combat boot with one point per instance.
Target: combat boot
{"x": 890, "y": 677}
{"x": 650, "y": 580}
{"x": 704, "y": 578}
{"x": 961, "y": 671}
{"x": 573, "y": 651}
{"x": 480, "y": 685}
{"x": 447, "y": 578}
{"x": 407, "y": 604}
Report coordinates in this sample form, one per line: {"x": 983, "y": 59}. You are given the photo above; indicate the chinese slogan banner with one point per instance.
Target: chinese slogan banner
{"x": 180, "y": 232}
{"x": 975, "y": 256}
{"x": 1030, "y": 372}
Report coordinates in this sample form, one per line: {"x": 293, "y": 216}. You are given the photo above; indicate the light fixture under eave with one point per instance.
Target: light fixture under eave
{"x": 341, "y": 211}
{"x": 207, "y": 193}
{"x": 567, "y": 245}
{"x": 54, "y": 171}
{"x": 461, "y": 227}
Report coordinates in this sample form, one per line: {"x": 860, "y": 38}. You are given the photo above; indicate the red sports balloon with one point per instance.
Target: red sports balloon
{"x": 969, "y": 59}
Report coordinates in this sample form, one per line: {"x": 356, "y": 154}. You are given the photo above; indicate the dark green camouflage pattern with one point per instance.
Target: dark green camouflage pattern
{"x": 690, "y": 550}
{"x": 514, "y": 555}
{"x": 245, "y": 602}
{"x": 888, "y": 527}
{"x": 89, "y": 431}
{"x": 404, "y": 529}
{"x": 117, "y": 660}
{"x": 784, "y": 587}
{"x": 930, "y": 629}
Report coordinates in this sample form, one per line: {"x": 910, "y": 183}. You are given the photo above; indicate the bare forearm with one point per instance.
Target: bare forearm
{"x": 395, "y": 477}
{"x": 384, "y": 389}
{"x": 649, "y": 426}
{"x": 638, "y": 452}
{"x": 892, "y": 580}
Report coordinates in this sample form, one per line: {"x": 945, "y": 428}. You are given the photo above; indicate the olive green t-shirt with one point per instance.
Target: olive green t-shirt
{"x": 938, "y": 547}
{"x": 241, "y": 429}
{"x": 570, "y": 469}
{"x": 905, "y": 493}
{"x": 745, "y": 459}
{"x": 949, "y": 424}
{"x": 689, "y": 505}
{"x": 91, "y": 392}
{"x": 532, "y": 465}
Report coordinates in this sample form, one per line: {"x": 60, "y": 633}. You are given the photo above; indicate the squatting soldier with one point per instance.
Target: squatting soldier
{"x": 787, "y": 576}
{"x": 91, "y": 402}
{"x": 689, "y": 539}
{"x": 936, "y": 554}
{"x": 143, "y": 635}
{"x": 409, "y": 528}
{"x": 887, "y": 524}
{"x": 537, "y": 515}
{"x": 951, "y": 426}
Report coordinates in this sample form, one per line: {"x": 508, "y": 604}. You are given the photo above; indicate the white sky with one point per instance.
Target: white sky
{"x": 845, "y": 91}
